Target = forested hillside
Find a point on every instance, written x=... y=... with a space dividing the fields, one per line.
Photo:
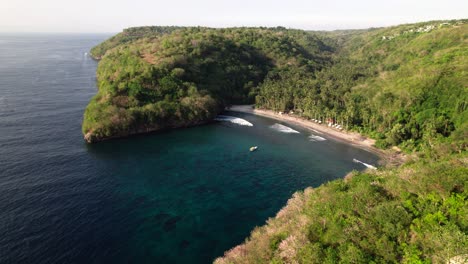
x=154 y=78
x=405 y=86
x=417 y=213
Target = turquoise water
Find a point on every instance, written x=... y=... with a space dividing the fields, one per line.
x=182 y=196
x=195 y=193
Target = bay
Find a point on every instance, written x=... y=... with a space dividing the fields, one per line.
x=181 y=196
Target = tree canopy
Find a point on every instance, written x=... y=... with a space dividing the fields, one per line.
x=153 y=78
x=403 y=85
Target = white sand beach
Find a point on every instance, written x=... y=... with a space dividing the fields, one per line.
x=353 y=138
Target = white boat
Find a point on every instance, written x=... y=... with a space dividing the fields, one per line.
x=254 y=148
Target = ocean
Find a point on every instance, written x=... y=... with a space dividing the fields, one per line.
x=181 y=196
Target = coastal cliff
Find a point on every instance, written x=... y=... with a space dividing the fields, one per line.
x=402 y=86
x=155 y=78
x=417 y=213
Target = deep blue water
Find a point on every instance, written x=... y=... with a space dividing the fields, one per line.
x=183 y=196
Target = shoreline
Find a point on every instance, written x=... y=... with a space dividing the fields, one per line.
x=352 y=138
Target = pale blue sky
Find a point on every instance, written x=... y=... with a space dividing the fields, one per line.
x=114 y=15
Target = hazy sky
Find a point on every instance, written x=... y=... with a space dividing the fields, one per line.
x=114 y=15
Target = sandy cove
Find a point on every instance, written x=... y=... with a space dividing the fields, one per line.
x=353 y=138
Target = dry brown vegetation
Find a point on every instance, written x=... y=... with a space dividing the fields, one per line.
x=408 y=215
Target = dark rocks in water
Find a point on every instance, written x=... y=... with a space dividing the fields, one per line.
x=167 y=221
x=160 y=217
x=264 y=206
x=257 y=183
x=171 y=223
x=184 y=244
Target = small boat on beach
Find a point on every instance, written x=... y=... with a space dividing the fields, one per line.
x=254 y=148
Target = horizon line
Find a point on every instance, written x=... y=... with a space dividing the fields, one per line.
x=236 y=26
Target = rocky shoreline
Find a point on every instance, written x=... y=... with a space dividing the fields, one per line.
x=91 y=138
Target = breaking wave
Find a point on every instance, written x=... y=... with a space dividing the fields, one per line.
x=316 y=138
x=365 y=164
x=233 y=119
x=283 y=129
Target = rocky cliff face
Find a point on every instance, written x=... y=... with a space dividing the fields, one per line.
x=91 y=137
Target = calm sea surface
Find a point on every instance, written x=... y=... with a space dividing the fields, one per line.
x=183 y=196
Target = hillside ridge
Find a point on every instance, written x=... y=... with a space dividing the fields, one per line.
x=405 y=86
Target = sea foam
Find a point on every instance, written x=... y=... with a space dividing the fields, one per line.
x=365 y=164
x=283 y=128
x=316 y=138
x=233 y=119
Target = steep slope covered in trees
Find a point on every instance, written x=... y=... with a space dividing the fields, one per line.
x=157 y=78
x=414 y=214
x=404 y=85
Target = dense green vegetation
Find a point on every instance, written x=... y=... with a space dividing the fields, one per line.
x=129 y=35
x=417 y=213
x=398 y=85
x=404 y=86
x=154 y=78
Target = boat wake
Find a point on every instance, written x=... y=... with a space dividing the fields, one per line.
x=233 y=119
x=316 y=138
x=365 y=164
x=283 y=129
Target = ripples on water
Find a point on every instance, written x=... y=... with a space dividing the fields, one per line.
x=183 y=196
